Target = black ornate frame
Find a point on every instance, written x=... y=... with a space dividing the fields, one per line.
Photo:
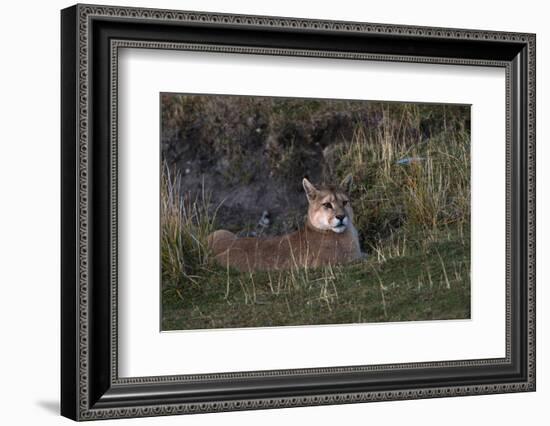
x=91 y=37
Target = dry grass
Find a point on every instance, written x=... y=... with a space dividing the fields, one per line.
x=400 y=184
x=185 y=224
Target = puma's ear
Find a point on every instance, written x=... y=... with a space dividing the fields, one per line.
x=346 y=183
x=311 y=191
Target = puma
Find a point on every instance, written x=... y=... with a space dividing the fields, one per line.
x=327 y=238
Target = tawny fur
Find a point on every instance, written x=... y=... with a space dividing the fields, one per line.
x=324 y=240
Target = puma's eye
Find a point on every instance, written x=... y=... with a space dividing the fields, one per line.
x=344 y=202
x=327 y=205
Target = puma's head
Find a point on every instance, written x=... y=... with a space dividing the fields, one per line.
x=329 y=206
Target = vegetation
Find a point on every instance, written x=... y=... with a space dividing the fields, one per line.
x=411 y=198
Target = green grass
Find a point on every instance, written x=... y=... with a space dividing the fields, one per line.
x=413 y=221
x=425 y=284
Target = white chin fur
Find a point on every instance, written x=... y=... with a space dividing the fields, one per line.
x=338 y=229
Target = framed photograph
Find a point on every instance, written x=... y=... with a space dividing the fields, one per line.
x=263 y=212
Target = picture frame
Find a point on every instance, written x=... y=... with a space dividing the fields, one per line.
x=90 y=384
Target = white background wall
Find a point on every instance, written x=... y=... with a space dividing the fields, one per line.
x=29 y=211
